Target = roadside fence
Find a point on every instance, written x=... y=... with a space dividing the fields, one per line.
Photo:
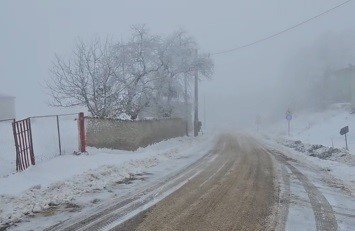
x=39 y=138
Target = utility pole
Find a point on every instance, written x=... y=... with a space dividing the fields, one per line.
x=187 y=114
x=196 y=103
x=204 y=113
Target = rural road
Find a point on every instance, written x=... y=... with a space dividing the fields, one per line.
x=236 y=192
x=236 y=186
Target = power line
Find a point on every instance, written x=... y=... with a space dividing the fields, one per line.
x=283 y=31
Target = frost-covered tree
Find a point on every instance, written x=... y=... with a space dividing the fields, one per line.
x=86 y=79
x=123 y=78
x=179 y=59
x=141 y=61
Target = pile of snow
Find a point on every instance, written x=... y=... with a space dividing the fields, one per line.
x=315 y=140
x=73 y=181
x=318 y=150
x=320 y=127
x=341 y=171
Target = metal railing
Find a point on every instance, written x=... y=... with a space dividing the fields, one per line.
x=50 y=135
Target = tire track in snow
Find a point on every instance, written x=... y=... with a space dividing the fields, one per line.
x=115 y=210
x=323 y=211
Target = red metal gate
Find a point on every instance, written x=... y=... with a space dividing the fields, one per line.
x=23 y=142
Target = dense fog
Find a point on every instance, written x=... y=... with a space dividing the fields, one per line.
x=264 y=79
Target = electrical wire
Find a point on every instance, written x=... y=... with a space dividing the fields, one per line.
x=281 y=32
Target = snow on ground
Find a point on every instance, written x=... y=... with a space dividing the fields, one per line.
x=319 y=127
x=341 y=173
x=318 y=148
x=73 y=181
x=45 y=141
x=319 y=151
x=309 y=129
x=334 y=179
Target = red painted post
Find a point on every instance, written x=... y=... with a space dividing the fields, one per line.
x=82 y=136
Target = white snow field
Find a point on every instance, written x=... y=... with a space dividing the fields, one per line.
x=69 y=182
x=335 y=180
x=320 y=127
x=334 y=176
x=45 y=140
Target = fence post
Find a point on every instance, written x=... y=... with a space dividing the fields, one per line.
x=16 y=146
x=59 y=140
x=81 y=124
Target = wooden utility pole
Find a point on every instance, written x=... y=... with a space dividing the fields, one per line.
x=187 y=114
x=196 y=104
x=204 y=114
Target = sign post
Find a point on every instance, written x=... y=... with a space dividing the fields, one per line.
x=344 y=131
x=288 y=118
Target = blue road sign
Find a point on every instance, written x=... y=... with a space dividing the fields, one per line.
x=289 y=117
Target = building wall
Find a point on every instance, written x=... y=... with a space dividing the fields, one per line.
x=352 y=101
x=7 y=108
x=130 y=135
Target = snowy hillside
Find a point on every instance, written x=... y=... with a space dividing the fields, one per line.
x=320 y=127
x=315 y=140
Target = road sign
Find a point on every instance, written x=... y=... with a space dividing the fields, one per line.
x=289 y=117
x=344 y=130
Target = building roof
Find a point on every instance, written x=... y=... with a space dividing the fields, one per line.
x=3 y=96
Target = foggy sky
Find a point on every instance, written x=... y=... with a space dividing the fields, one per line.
x=245 y=82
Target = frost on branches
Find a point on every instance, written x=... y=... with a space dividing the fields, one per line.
x=119 y=79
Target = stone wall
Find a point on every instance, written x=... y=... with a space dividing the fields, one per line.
x=130 y=135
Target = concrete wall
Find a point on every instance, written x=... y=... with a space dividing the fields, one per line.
x=179 y=111
x=130 y=135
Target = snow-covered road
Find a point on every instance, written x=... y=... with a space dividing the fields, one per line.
x=115 y=190
x=213 y=193
x=313 y=192
x=51 y=191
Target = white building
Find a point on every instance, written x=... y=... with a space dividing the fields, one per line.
x=7 y=107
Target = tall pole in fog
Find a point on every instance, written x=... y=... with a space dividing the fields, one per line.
x=187 y=115
x=196 y=102
x=204 y=112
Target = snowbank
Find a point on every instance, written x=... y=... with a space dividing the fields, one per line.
x=320 y=127
x=315 y=140
x=342 y=172
x=69 y=179
x=318 y=150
